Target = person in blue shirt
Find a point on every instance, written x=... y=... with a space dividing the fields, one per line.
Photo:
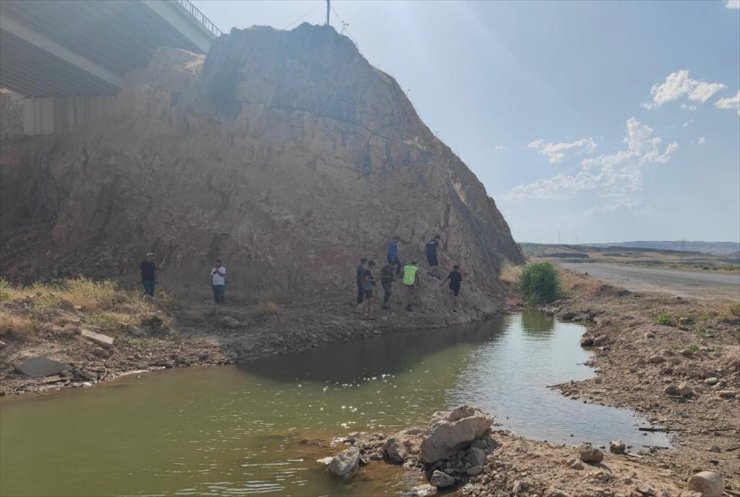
x=393 y=254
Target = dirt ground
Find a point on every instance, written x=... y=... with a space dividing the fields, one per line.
x=698 y=284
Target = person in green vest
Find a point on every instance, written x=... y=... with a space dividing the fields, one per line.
x=409 y=282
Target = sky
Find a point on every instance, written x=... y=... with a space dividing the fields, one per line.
x=587 y=121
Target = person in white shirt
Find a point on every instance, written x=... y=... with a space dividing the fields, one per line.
x=218 y=281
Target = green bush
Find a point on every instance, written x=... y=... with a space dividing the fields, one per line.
x=538 y=283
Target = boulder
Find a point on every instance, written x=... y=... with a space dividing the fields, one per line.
x=395 y=450
x=707 y=483
x=670 y=390
x=684 y=390
x=440 y=479
x=727 y=394
x=617 y=447
x=346 y=463
x=36 y=367
x=98 y=338
x=589 y=454
x=452 y=432
x=476 y=456
x=229 y=322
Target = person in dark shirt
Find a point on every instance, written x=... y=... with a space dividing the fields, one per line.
x=360 y=276
x=386 y=280
x=455 y=279
x=431 y=252
x=368 y=284
x=148 y=269
x=393 y=254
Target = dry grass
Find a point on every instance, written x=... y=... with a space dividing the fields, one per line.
x=510 y=273
x=267 y=308
x=98 y=303
x=15 y=326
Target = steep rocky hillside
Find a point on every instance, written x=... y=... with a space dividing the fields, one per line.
x=284 y=152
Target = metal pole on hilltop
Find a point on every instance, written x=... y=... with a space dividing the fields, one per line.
x=328 y=7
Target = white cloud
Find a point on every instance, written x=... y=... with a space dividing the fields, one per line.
x=678 y=85
x=618 y=174
x=500 y=147
x=556 y=152
x=702 y=140
x=732 y=4
x=729 y=103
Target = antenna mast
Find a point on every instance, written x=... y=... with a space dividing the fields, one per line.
x=327 y=11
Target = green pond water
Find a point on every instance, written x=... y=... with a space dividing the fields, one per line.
x=241 y=430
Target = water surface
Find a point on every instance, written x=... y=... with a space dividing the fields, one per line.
x=238 y=430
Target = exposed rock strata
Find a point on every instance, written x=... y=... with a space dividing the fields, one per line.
x=285 y=153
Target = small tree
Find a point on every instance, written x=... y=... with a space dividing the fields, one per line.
x=539 y=283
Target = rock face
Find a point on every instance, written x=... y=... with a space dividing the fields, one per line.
x=285 y=153
x=451 y=432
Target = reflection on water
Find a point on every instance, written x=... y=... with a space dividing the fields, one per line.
x=537 y=324
x=237 y=431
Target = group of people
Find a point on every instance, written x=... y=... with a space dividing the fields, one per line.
x=218 y=278
x=366 y=281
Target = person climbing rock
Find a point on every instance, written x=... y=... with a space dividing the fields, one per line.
x=386 y=281
x=218 y=282
x=431 y=252
x=393 y=254
x=455 y=279
x=368 y=284
x=409 y=282
x=148 y=268
x=360 y=275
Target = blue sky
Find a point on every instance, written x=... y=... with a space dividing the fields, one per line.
x=591 y=121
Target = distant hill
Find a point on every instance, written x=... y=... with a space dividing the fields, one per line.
x=714 y=248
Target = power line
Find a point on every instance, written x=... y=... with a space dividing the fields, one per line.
x=291 y=24
x=344 y=26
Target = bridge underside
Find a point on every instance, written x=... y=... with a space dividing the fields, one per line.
x=83 y=48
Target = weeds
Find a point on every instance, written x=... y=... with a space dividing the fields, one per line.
x=664 y=319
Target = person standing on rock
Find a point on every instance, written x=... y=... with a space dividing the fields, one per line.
x=360 y=276
x=393 y=254
x=409 y=282
x=218 y=282
x=431 y=252
x=368 y=284
x=455 y=279
x=386 y=281
x=148 y=269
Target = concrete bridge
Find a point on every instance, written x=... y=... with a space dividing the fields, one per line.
x=82 y=48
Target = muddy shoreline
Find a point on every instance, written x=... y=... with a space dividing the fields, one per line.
x=235 y=334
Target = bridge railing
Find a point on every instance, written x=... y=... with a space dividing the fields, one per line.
x=195 y=12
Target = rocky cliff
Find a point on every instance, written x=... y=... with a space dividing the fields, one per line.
x=284 y=152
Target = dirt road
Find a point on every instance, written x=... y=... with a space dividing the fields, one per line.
x=696 y=284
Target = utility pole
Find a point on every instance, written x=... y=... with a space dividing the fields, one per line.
x=328 y=6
